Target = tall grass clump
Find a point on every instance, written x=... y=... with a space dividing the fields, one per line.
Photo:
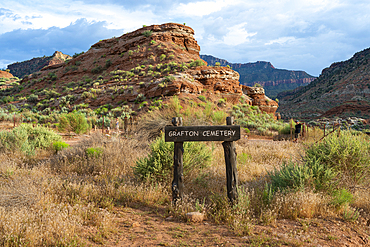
x=75 y=122
x=27 y=139
x=158 y=164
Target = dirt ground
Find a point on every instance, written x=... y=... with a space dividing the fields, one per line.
x=139 y=225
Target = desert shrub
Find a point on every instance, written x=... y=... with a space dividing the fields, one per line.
x=77 y=54
x=108 y=63
x=345 y=153
x=87 y=95
x=313 y=175
x=73 y=121
x=202 y=98
x=97 y=70
x=147 y=33
x=94 y=152
x=59 y=145
x=7 y=99
x=27 y=139
x=107 y=122
x=342 y=197
x=158 y=164
x=162 y=57
x=219 y=117
x=196 y=63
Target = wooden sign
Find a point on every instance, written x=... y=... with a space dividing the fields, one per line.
x=226 y=133
x=202 y=133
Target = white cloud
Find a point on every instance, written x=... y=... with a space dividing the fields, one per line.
x=61 y=14
x=238 y=35
x=203 y=8
x=281 y=40
x=289 y=33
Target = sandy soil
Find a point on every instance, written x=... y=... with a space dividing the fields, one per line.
x=139 y=225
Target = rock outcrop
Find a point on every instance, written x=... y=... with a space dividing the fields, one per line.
x=258 y=98
x=154 y=61
x=30 y=66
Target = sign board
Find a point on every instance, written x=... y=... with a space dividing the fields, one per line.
x=202 y=133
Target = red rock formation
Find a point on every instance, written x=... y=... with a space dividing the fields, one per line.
x=260 y=99
x=158 y=60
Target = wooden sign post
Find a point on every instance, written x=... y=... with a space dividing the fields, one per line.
x=178 y=176
x=230 y=161
x=226 y=133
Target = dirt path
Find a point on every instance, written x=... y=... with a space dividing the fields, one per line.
x=146 y=226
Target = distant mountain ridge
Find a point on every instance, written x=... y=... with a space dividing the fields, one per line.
x=273 y=80
x=342 y=90
x=20 y=69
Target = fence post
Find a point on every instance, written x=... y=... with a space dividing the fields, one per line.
x=178 y=177
x=231 y=171
x=102 y=130
x=291 y=129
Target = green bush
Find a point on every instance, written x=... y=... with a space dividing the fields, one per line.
x=202 y=98
x=158 y=164
x=73 y=121
x=344 y=152
x=147 y=33
x=94 y=152
x=290 y=176
x=27 y=139
x=60 y=145
x=342 y=198
x=219 y=117
x=313 y=175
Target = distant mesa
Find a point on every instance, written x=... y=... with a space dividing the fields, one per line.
x=342 y=90
x=271 y=79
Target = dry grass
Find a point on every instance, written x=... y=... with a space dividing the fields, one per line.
x=54 y=201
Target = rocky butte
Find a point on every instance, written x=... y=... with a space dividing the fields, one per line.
x=153 y=61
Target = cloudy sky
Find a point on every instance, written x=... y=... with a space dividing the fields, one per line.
x=304 y=35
